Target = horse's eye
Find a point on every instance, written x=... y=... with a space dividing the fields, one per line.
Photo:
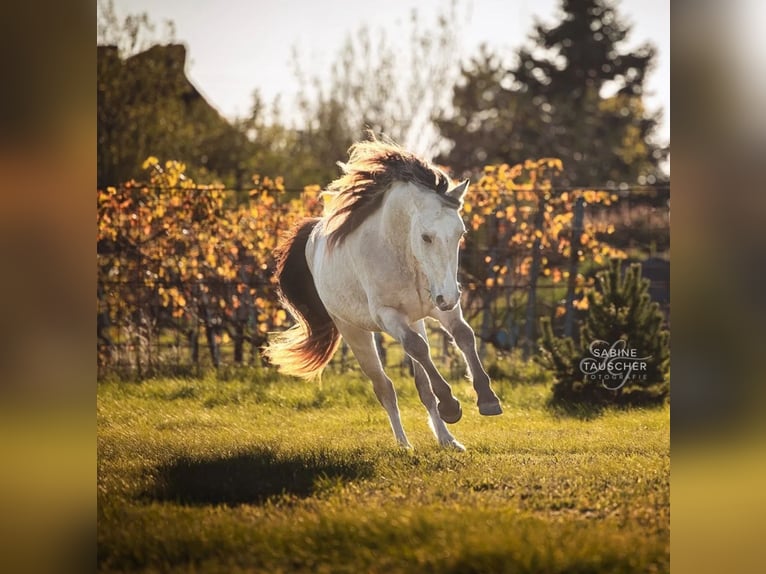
x=426 y=238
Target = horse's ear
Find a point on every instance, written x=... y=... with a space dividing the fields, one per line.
x=458 y=191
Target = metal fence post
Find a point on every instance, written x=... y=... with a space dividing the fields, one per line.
x=534 y=271
x=574 y=259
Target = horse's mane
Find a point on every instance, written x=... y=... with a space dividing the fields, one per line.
x=373 y=166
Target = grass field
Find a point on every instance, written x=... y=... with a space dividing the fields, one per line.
x=277 y=475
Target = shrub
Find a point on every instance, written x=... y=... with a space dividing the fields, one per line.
x=623 y=356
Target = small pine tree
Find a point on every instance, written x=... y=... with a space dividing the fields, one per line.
x=622 y=329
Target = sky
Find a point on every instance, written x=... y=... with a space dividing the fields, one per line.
x=238 y=46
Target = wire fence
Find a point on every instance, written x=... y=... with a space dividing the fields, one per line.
x=153 y=319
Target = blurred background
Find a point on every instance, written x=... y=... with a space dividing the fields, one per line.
x=558 y=114
x=283 y=89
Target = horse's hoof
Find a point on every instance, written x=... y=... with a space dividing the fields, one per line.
x=490 y=409
x=454 y=445
x=450 y=416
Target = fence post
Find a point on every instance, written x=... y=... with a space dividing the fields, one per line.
x=139 y=317
x=486 y=301
x=534 y=271
x=574 y=258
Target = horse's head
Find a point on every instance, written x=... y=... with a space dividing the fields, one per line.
x=435 y=232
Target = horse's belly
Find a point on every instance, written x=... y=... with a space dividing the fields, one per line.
x=339 y=287
x=350 y=307
x=354 y=306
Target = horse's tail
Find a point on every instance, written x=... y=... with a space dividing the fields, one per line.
x=305 y=348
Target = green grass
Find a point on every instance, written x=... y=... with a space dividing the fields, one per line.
x=276 y=475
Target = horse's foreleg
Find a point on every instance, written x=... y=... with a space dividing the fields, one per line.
x=416 y=346
x=428 y=399
x=363 y=346
x=465 y=340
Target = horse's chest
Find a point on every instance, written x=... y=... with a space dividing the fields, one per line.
x=353 y=288
x=402 y=290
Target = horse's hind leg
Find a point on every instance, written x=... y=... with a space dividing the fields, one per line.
x=363 y=346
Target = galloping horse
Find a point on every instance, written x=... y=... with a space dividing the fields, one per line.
x=383 y=257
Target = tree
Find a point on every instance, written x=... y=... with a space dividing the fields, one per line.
x=147 y=105
x=375 y=84
x=623 y=329
x=573 y=93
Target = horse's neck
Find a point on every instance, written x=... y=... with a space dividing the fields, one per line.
x=395 y=217
x=393 y=227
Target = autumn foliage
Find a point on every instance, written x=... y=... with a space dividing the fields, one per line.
x=522 y=232
x=516 y=208
x=177 y=258
x=180 y=264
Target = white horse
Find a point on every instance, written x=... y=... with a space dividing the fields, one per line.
x=383 y=257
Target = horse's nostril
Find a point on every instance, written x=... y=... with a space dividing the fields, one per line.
x=439 y=299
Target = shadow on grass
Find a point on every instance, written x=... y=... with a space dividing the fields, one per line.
x=595 y=407
x=254 y=477
x=581 y=411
